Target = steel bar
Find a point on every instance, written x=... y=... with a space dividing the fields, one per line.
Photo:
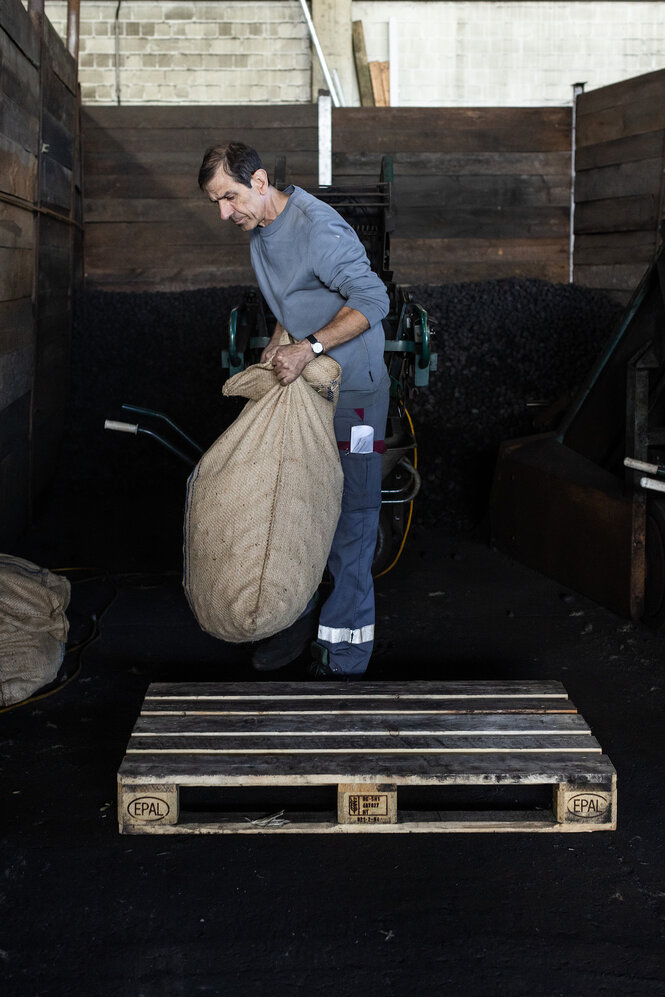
x=319 y=51
x=20 y=202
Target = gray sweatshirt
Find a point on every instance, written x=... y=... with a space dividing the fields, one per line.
x=309 y=263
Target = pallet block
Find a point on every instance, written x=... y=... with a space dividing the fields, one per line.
x=369 y=740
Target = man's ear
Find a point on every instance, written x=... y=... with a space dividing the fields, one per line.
x=260 y=181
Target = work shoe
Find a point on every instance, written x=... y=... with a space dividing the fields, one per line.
x=287 y=645
x=319 y=666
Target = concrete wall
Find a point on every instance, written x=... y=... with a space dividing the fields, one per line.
x=194 y=53
x=450 y=54
x=512 y=54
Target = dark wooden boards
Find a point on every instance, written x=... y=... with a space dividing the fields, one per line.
x=370 y=740
x=148 y=226
x=498 y=174
x=451 y=129
x=39 y=195
x=620 y=148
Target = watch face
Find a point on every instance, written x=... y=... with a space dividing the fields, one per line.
x=317 y=347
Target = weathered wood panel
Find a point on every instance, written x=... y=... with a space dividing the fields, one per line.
x=16 y=324
x=619 y=182
x=19 y=77
x=14 y=469
x=501 y=174
x=640 y=178
x=59 y=59
x=176 y=277
x=446 y=261
x=632 y=149
x=649 y=86
x=451 y=130
x=604 y=248
x=18 y=169
x=15 y=22
x=38 y=93
x=16 y=273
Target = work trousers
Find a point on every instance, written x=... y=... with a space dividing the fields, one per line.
x=346 y=621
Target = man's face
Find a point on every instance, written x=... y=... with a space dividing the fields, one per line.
x=244 y=206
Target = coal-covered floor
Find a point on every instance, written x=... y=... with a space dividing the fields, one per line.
x=88 y=911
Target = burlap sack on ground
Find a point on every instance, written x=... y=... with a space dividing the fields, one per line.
x=33 y=627
x=263 y=504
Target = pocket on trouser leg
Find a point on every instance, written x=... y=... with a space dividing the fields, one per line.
x=362 y=481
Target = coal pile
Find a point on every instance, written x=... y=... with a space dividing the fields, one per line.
x=508 y=350
x=119 y=499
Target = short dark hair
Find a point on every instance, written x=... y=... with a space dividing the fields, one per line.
x=240 y=161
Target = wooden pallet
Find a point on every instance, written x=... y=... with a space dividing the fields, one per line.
x=371 y=741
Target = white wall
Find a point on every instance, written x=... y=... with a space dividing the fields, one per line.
x=466 y=53
x=512 y=54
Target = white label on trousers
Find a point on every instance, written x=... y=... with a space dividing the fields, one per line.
x=362 y=439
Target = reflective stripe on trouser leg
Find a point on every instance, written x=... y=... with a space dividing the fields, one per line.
x=346 y=622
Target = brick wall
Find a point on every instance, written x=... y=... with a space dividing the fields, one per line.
x=455 y=53
x=193 y=53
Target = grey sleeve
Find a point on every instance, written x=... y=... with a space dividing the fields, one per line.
x=339 y=260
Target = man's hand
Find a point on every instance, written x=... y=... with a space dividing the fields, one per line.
x=290 y=361
x=269 y=352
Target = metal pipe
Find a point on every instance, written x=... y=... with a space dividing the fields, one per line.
x=116 y=32
x=20 y=202
x=406 y=493
x=338 y=87
x=319 y=51
x=73 y=21
x=139 y=410
x=578 y=88
x=135 y=430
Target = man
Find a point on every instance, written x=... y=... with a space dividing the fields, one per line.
x=315 y=276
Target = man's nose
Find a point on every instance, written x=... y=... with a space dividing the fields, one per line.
x=225 y=210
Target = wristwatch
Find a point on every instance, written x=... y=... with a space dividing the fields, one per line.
x=317 y=347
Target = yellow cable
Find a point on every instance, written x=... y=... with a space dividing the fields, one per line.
x=408 y=522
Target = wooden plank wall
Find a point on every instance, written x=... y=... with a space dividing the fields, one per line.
x=619 y=185
x=148 y=227
x=38 y=194
x=479 y=193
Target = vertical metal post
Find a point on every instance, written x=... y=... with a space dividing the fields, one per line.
x=393 y=61
x=578 y=88
x=325 y=139
x=73 y=20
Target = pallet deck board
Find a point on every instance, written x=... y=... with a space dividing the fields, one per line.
x=368 y=739
x=356 y=691
x=391 y=743
x=368 y=766
x=359 y=722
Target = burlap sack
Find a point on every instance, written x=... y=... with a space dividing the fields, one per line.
x=263 y=504
x=33 y=627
